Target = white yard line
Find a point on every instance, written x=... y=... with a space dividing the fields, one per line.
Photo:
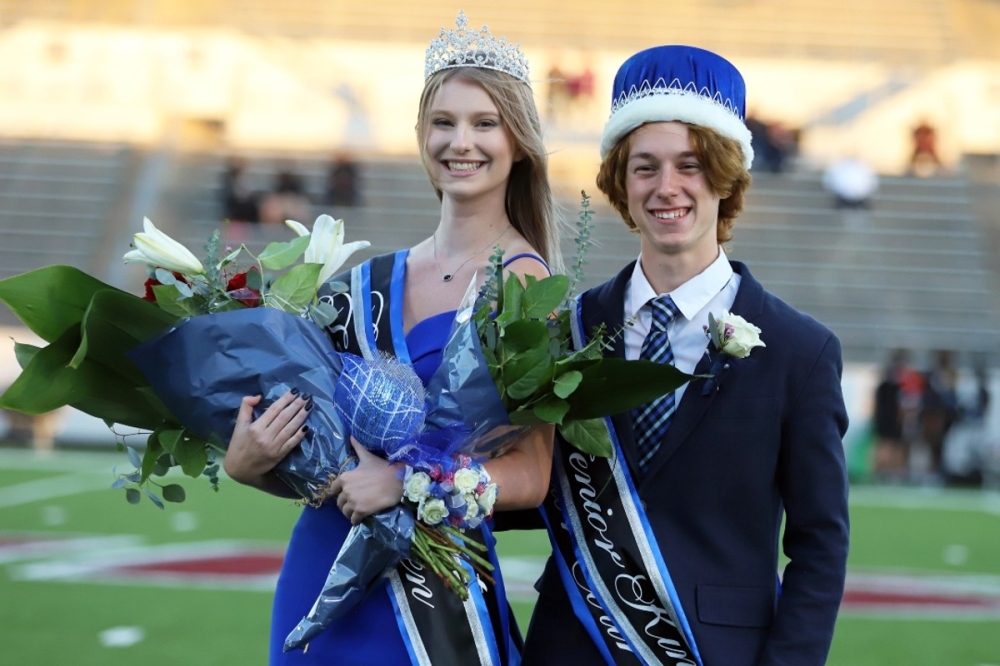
x=927 y=499
x=58 y=486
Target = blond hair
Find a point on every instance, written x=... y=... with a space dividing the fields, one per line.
x=529 y=203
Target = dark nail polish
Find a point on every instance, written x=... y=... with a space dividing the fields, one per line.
x=309 y=405
x=305 y=430
x=306 y=396
x=294 y=391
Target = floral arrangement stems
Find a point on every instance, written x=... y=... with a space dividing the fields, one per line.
x=434 y=547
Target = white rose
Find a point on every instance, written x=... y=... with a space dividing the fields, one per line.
x=416 y=487
x=466 y=480
x=733 y=335
x=432 y=511
x=471 y=507
x=488 y=498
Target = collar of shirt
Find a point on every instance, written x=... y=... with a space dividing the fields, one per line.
x=712 y=290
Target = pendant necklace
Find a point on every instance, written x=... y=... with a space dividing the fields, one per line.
x=448 y=276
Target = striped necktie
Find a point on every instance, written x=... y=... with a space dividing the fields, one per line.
x=651 y=421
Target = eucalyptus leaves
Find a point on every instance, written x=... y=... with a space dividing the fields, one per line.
x=525 y=331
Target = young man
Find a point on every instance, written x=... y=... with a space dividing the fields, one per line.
x=669 y=552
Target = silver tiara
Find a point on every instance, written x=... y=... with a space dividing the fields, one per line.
x=463 y=48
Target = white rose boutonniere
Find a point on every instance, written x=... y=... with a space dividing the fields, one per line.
x=733 y=335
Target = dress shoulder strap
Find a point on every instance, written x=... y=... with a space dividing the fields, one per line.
x=507 y=262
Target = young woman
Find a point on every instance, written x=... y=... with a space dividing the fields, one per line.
x=480 y=142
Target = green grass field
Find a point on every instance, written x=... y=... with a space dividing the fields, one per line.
x=55 y=610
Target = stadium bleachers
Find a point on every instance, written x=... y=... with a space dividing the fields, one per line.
x=915 y=272
x=57 y=202
x=904 y=31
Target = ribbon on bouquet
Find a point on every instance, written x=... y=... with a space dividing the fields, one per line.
x=609 y=561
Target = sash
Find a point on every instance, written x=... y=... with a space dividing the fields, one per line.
x=436 y=626
x=608 y=558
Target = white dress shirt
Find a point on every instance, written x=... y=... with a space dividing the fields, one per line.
x=713 y=290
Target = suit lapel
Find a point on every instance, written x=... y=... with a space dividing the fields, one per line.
x=606 y=304
x=694 y=405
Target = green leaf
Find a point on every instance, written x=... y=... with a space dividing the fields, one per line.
x=613 y=385
x=255 y=280
x=192 y=455
x=551 y=410
x=512 y=292
x=173 y=493
x=24 y=352
x=277 y=256
x=526 y=335
x=47 y=383
x=132 y=496
x=133 y=457
x=154 y=499
x=150 y=456
x=170 y=299
x=51 y=299
x=168 y=440
x=115 y=322
x=323 y=314
x=296 y=288
x=544 y=296
x=566 y=383
x=590 y=436
x=527 y=373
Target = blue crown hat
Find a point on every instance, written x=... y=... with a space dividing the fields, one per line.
x=681 y=83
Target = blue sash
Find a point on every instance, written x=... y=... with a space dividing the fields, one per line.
x=608 y=558
x=436 y=626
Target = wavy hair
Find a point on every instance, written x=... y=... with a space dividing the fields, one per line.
x=721 y=159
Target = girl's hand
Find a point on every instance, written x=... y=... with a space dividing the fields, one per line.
x=257 y=446
x=371 y=487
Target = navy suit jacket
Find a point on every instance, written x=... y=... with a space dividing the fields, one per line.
x=764 y=443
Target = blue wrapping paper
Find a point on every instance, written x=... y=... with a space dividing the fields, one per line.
x=202 y=367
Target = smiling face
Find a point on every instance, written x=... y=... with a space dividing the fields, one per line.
x=669 y=196
x=467 y=150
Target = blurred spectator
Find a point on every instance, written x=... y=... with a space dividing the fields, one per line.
x=772 y=144
x=288 y=201
x=342 y=182
x=939 y=407
x=852 y=182
x=239 y=203
x=924 y=161
x=890 y=449
x=568 y=91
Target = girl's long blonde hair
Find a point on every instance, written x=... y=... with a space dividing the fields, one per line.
x=529 y=203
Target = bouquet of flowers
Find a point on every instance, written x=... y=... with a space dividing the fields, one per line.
x=158 y=364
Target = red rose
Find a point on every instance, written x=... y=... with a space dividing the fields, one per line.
x=150 y=296
x=238 y=290
x=153 y=282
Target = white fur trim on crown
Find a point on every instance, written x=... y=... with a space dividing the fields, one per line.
x=681 y=105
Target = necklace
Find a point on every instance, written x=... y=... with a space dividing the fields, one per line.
x=448 y=276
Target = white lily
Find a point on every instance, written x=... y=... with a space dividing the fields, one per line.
x=326 y=245
x=155 y=248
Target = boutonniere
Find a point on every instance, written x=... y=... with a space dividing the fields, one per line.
x=732 y=337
